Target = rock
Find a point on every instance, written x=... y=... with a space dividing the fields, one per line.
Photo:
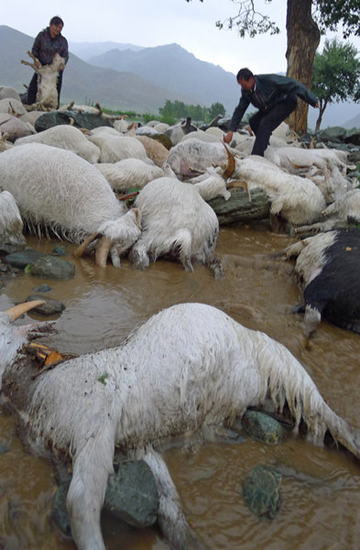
x=263 y=427
x=354 y=157
x=58 y=251
x=4 y=446
x=238 y=209
x=7 y=272
x=334 y=133
x=59 y=514
x=51 y=267
x=131 y=495
x=51 y=306
x=353 y=136
x=261 y=491
x=8 y=248
x=42 y=288
x=22 y=259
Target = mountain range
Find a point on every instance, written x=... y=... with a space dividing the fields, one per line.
x=127 y=77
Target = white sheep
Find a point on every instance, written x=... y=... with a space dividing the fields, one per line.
x=129 y=173
x=177 y=132
x=114 y=146
x=14 y=127
x=295 y=199
x=11 y=224
x=295 y=158
x=121 y=125
x=345 y=210
x=4 y=143
x=9 y=92
x=47 y=94
x=58 y=192
x=211 y=184
x=65 y=137
x=203 y=135
x=176 y=222
x=325 y=167
x=193 y=155
x=12 y=106
x=190 y=368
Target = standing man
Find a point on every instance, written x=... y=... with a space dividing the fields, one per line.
x=47 y=43
x=275 y=96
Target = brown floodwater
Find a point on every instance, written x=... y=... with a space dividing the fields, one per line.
x=320 y=486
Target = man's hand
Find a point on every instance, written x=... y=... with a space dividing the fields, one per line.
x=228 y=137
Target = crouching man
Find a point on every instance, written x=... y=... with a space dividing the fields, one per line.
x=274 y=96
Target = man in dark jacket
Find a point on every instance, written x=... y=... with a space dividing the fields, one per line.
x=275 y=96
x=47 y=43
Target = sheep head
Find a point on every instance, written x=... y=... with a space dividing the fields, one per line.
x=114 y=237
x=12 y=338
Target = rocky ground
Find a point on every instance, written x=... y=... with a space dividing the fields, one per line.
x=7 y=272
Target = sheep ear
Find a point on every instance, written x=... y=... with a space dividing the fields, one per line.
x=20 y=309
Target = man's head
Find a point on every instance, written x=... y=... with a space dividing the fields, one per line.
x=56 y=25
x=246 y=79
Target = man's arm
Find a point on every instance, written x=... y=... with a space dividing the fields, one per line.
x=236 y=118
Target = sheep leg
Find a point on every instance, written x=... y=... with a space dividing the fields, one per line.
x=91 y=469
x=172 y=520
x=32 y=65
x=182 y=248
x=138 y=256
x=215 y=265
x=115 y=256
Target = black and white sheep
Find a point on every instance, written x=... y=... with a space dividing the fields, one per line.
x=327 y=270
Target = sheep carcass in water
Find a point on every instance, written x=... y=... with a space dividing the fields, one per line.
x=58 y=192
x=47 y=95
x=190 y=368
x=176 y=222
x=327 y=270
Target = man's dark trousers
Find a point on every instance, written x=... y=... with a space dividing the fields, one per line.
x=264 y=123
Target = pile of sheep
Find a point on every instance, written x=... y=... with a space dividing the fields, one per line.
x=70 y=183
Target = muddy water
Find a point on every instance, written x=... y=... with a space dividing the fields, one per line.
x=321 y=486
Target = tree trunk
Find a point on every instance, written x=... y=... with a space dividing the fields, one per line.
x=322 y=106
x=238 y=210
x=303 y=38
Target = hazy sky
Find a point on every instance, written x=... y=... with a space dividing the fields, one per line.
x=151 y=23
x=157 y=22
